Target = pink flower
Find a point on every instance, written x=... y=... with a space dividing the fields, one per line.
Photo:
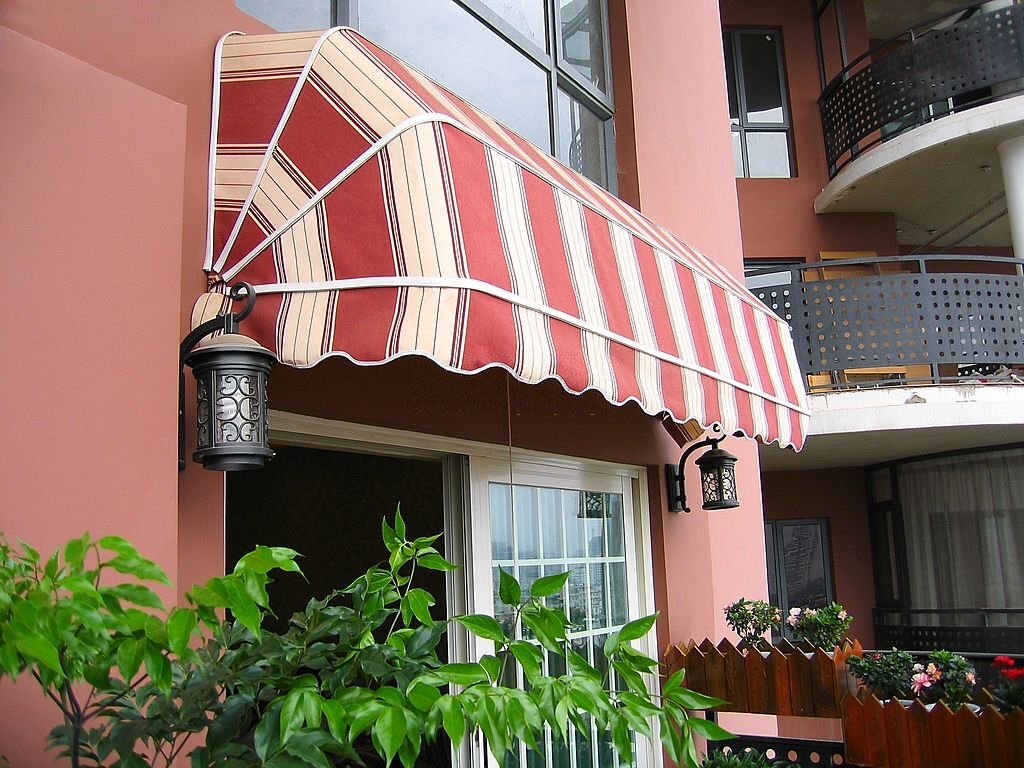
x=842 y=615
x=920 y=681
x=791 y=621
x=934 y=672
x=970 y=678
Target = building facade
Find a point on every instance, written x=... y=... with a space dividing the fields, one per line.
x=123 y=217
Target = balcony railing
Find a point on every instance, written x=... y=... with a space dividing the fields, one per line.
x=899 y=320
x=949 y=63
x=965 y=630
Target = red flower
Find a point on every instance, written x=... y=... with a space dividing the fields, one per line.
x=1002 y=661
x=1013 y=674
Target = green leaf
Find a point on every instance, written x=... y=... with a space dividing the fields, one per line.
x=419 y=601
x=452 y=718
x=243 y=607
x=267 y=736
x=483 y=626
x=292 y=715
x=435 y=562
x=509 y=591
x=422 y=696
x=74 y=550
x=708 y=729
x=158 y=667
x=265 y=559
x=634 y=630
x=336 y=716
x=462 y=674
x=399 y=523
x=688 y=699
x=546 y=586
x=389 y=730
x=180 y=624
x=674 y=681
x=623 y=741
x=492 y=665
x=40 y=649
x=307 y=751
x=390 y=538
x=129 y=657
x=529 y=657
x=135 y=594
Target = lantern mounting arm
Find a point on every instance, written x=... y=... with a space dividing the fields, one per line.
x=674 y=472
x=226 y=323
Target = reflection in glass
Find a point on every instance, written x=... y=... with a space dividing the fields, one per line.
x=501 y=522
x=730 y=79
x=768 y=154
x=575 y=529
x=581 y=139
x=551 y=522
x=527 y=528
x=452 y=47
x=527 y=16
x=290 y=17
x=598 y=597
x=618 y=597
x=616 y=536
x=803 y=565
x=762 y=85
x=577 y=589
x=583 y=43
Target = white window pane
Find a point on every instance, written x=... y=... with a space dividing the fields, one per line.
x=290 y=17
x=583 y=41
x=737 y=155
x=527 y=16
x=768 y=154
x=501 y=522
x=581 y=139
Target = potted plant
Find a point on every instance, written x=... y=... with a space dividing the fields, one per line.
x=355 y=679
x=751 y=619
x=946 y=676
x=1008 y=691
x=824 y=627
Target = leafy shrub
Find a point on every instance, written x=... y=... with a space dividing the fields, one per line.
x=750 y=619
x=749 y=758
x=821 y=627
x=946 y=677
x=886 y=673
x=355 y=679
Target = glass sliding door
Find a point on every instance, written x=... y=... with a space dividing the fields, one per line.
x=546 y=523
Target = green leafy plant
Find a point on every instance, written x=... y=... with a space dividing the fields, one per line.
x=1008 y=691
x=355 y=679
x=91 y=645
x=824 y=627
x=886 y=673
x=947 y=677
x=750 y=619
x=748 y=758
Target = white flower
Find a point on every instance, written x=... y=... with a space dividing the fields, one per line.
x=794 y=611
x=842 y=615
x=791 y=621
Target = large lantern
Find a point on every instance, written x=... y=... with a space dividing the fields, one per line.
x=717 y=478
x=231 y=391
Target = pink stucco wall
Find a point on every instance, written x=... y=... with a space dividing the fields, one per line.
x=684 y=169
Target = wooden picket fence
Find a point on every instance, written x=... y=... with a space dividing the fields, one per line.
x=787 y=681
x=782 y=681
x=894 y=735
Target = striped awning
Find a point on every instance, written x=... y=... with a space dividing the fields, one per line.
x=378 y=215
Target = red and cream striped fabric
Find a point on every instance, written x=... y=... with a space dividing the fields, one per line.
x=379 y=215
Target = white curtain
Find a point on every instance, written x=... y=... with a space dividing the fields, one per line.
x=964 y=523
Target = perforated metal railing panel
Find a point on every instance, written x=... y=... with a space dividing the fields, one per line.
x=903 y=319
x=893 y=91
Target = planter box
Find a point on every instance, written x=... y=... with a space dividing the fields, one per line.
x=782 y=681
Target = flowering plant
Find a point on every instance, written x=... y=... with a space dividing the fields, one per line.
x=821 y=627
x=1009 y=691
x=750 y=619
x=946 y=677
x=886 y=673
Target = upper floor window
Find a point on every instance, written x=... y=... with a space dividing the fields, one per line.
x=758 y=107
x=541 y=68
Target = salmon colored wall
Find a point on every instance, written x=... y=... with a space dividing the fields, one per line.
x=684 y=168
x=777 y=215
x=165 y=47
x=107 y=107
x=840 y=496
x=88 y=306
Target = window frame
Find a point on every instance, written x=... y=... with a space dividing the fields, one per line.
x=737 y=89
x=774 y=556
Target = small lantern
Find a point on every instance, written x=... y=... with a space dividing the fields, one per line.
x=718 y=479
x=231 y=413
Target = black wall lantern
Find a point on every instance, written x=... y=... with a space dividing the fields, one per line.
x=717 y=478
x=231 y=391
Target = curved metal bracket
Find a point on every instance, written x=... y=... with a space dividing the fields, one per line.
x=227 y=323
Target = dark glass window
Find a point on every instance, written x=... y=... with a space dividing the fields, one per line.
x=541 y=68
x=758 y=109
x=799 y=563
